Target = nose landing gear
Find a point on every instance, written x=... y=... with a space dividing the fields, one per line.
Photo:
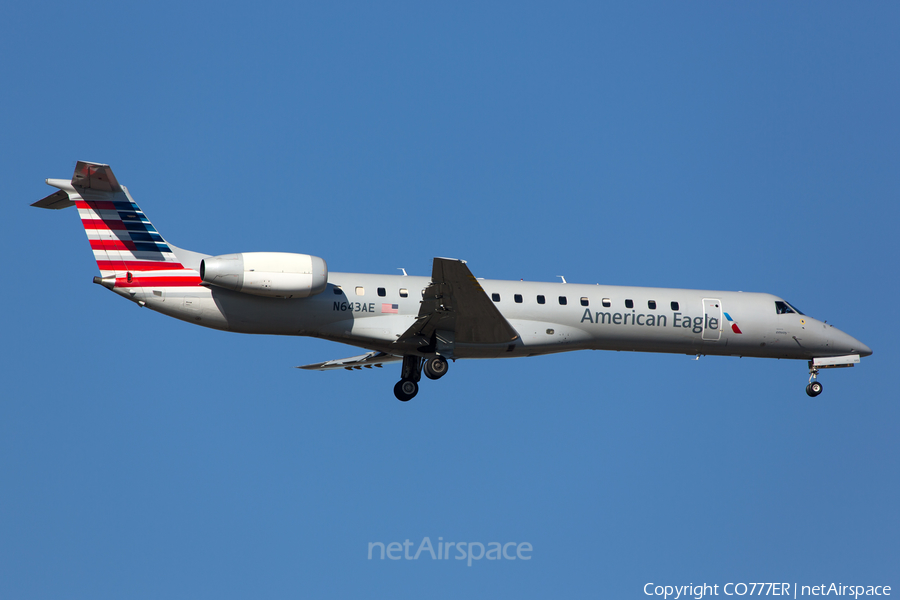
x=827 y=362
x=814 y=388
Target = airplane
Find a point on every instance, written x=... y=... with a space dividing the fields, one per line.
x=425 y=322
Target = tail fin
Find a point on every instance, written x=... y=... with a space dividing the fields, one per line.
x=128 y=249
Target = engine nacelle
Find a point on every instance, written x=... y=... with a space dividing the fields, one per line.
x=272 y=274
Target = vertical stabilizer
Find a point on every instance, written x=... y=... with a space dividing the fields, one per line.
x=126 y=245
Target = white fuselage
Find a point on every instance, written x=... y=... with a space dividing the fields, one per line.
x=424 y=322
x=356 y=309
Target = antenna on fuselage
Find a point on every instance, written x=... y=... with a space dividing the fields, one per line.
x=404 y=271
x=563 y=278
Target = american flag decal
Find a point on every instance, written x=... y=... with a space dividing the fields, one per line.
x=390 y=308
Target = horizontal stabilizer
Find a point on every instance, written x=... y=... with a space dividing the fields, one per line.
x=55 y=201
x=129 y=251
x=87 y=176
x=368 y=360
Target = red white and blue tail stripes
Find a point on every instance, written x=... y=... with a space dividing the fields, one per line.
x=125 y=243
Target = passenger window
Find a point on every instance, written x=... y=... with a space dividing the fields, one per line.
x=584 y=302
x=382 y=292
x=360 y=290
x=629 y=304
x=337 y=290
x=495 y=297
x=606 y=303
x=518 y=298
x=563 y=301
x=651 y=304
x=540 y=300
x=404 y=292
x=674 y=305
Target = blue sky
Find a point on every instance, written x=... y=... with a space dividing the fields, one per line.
x=691 y=145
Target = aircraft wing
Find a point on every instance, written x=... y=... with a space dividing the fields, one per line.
x=455 y=302
x=367 y=360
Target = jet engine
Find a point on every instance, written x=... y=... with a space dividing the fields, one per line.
x=272 y=274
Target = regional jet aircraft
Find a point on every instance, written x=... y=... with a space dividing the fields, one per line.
x=424 y=322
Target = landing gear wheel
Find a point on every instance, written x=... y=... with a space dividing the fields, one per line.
x=406 y=390
x=814 y=389
x=436 y=367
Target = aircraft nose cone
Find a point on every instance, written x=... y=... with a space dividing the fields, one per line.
x=850 y=345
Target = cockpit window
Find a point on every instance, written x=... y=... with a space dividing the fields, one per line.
x=783 y=308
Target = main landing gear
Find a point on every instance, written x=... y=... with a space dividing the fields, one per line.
x=814 y=388
x=406 y=390
x=436 y=367
x=411 y=372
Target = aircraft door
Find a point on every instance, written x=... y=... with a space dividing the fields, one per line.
x=712 y=319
